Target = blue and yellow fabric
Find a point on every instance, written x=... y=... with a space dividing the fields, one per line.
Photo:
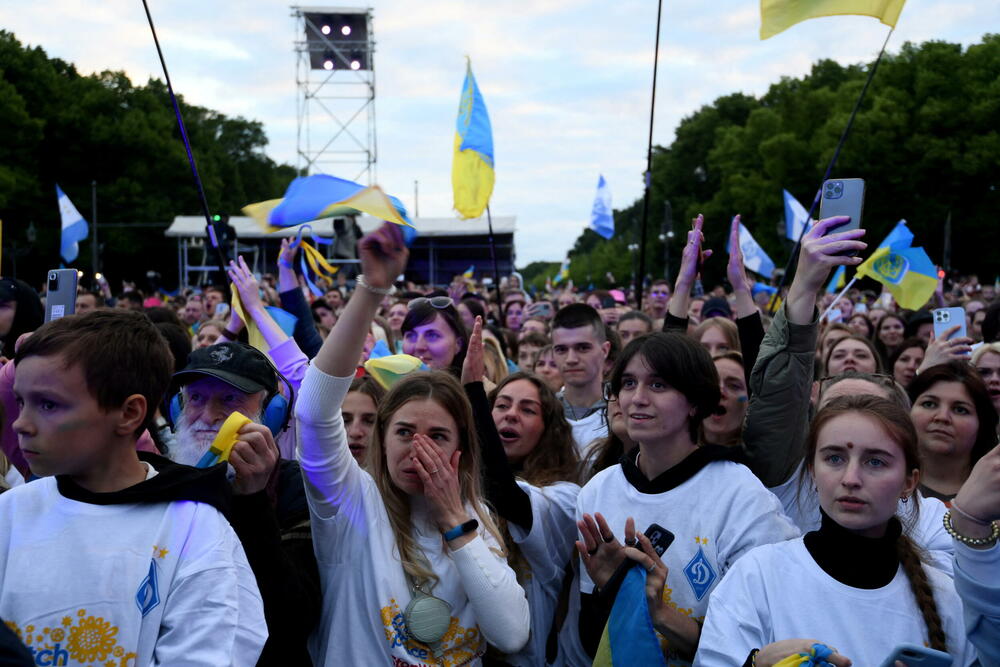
x=629 y=638
x=779 y=15
x=907 y=272
x=227 y=436
x=472 y=174
x=309 y=198
x=816 y=657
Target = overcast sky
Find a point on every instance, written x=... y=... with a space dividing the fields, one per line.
x=566 y=82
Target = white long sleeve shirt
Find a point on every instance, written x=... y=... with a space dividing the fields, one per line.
x=365 y=590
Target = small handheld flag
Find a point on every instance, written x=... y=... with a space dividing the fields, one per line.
x=74 y=227
x=389 y=370
x=816 y=656
x=907 y=272
x=629 y=637
x=227 y=436
x=779 y=15
x=469 y=272
x=601 y=220
x=838 y=280
x=754 y=257
x=472 y=174
x=796 y=217
x=563 y=272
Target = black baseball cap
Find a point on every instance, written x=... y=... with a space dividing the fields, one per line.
x=716 y=307
x=241 y=366
x=8 y=290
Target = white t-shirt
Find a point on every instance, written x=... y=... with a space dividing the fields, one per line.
x=547 y=548
x=925 y=526
x=136 y=584
x=779 y=592
x=716 y=516
x=588 y=429
x=365 y=590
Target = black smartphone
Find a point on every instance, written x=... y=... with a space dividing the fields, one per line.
x=843 y=196
x=659 y=537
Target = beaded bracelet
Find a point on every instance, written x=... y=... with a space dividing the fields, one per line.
x=381 y=291
x=971 y=541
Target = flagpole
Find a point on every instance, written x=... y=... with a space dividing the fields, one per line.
x=649 y=168
x=493 y=256
x=838 y=297
x=829 y=169
x=209 y=228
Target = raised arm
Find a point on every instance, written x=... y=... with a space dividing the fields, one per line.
x=502 y=491
x=293 y=301
x=748 y=323
x=691 y=259
x=780 y=384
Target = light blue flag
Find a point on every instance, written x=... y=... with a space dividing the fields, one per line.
x=795 y=217
x=754 y=257
x=601 y=220
x=74 y=227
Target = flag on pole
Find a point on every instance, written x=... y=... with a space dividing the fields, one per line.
x=563 y=272
x=754 y=257
x=469 y=272
x=779 y=15
x=838 y=280
x=309 y=198
x=472 y=173
x=74 y=227
x=907 y=272
x=601 y=220
x=795 y=217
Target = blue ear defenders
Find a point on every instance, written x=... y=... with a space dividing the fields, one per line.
x=276 y=414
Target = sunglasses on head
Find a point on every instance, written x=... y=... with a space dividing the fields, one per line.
x=439 y=302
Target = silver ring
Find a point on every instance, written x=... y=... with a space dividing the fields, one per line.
x=652 y=566
x=632 y=541
x=434 y=472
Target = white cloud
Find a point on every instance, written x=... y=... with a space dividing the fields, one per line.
x=567 y=82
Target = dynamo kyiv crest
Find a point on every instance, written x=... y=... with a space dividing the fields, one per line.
x=148 y=595
x=700 y=574
x=892 y=267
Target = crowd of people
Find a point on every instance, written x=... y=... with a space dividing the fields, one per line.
x=422 y=476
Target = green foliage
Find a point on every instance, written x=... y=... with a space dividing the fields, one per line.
x=61 y=127
x=926 y=140
x=536 y=273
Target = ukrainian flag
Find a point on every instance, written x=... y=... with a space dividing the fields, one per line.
x=563 y=272
x=472 y=166
x=309 y=198
x=779 y=15
x=838 y=280
x=629 y=637
x=469 y=272
x=908 y=273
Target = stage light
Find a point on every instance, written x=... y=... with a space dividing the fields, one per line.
x=345 y=31
x=326 y=30
x=328 y=60
x=355 y=64
x=328 y=65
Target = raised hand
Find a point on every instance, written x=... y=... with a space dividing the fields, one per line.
x=979 y=497
x=818 y=254
x=945 y=349
x=474 y=366
x=383 y=255
x=691 y=260
x=600 y=550
x=246 y=284
x=254 y=457
x=735 y=270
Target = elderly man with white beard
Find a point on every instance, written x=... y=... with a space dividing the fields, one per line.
x=269 y=511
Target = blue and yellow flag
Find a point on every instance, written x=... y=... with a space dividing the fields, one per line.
x=908 y=273
x=838 y=280
x=779 y=15
x=563 y=272
x=472 y=167
x=469 y=272
x=309 y=198
x=629 y=638
x=816 y=657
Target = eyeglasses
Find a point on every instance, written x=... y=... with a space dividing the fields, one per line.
x=607 y=394
x=439 y=302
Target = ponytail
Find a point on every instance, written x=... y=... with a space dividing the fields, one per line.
x=909 y=558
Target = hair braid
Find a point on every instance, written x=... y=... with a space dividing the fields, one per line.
x=909 y=558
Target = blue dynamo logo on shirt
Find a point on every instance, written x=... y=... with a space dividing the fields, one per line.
x=700 y=574
x=148 y=595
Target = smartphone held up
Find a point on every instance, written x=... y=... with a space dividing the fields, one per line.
x=843 y=196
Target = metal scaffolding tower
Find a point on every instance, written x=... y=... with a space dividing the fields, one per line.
x=335 y=76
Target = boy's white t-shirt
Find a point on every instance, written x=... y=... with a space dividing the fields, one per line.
x=548 y=548
x=779 y=592
x=588 y=429
x=716 y=516
x=128 y=584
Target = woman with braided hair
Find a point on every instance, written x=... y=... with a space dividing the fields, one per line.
x=859 y=571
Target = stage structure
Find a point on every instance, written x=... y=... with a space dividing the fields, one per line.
x=442 y=250
x=335 y=77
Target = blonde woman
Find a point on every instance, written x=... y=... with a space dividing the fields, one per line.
x=411 y=562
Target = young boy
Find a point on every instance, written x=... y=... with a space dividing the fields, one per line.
x=115 y=557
